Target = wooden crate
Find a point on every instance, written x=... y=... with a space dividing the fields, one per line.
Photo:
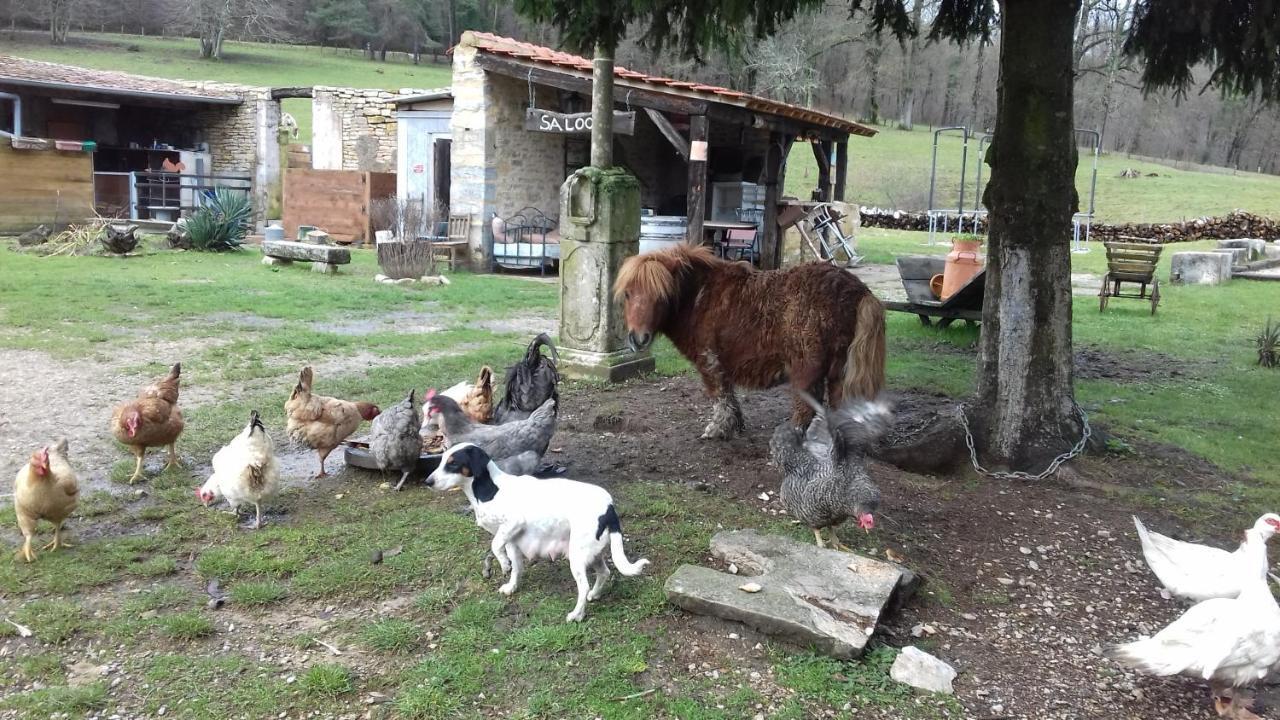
x=43 y=186
x=336 y=201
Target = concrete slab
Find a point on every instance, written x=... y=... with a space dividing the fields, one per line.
x=807 y=595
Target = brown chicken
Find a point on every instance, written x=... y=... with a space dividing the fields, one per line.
x=153 y=419
x=45 y=489
x=322 y=423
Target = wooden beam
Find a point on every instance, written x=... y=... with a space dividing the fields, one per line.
x=669 y=132
x=771 y=238
x=842 y=167
x=822 y=155
x=581 y=83
x=697 y=195
x=281 y=93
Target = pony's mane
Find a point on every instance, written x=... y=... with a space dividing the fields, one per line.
x=654 y=273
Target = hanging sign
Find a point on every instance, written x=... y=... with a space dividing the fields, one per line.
x=539 y=120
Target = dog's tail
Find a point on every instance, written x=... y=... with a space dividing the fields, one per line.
x=609 y=522
x=864 y=364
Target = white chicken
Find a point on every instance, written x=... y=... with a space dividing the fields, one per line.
x=1199 y=572
x=1231 y=642
x=245 y=471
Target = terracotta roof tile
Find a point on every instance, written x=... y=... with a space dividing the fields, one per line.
x=24 y=71
x=498 y=45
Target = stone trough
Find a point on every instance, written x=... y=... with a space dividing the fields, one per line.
x=795 y=591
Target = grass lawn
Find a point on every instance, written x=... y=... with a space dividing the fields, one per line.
x=888 y=170
x=422 y=631
x=891 y=170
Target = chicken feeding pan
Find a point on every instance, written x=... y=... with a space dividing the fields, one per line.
x=356 y=454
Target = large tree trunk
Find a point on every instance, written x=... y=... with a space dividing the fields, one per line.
x=602 y=108
x=977 y=118
x=949 y=113
x=906 y=113
x=1025 y=414
x=875 y=49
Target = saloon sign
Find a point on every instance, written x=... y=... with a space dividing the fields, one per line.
x=537 y=120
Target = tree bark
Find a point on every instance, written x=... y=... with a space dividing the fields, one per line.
x=875 y=49
x=1025 y=414
x=977 y=118
x=602 y=107
x=906 y=114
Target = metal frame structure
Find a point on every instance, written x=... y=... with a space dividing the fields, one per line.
x=945 y=216
x=940 y=219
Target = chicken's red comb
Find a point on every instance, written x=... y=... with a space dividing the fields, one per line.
x=431 y=392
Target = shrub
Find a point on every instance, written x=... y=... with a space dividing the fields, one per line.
x=222 y=223
x=1269 y=345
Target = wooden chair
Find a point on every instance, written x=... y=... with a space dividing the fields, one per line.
x=741 y=243
x=457 y=237
x=1131 y=262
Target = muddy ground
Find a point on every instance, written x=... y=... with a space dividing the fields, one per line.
x=1025 y=582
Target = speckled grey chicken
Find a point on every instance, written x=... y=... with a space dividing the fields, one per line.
x=530 y=383
x=824 y=472
x=394 y=441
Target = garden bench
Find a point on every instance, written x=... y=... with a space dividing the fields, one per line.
x=323 y=258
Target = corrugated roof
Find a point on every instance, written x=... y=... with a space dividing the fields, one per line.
x=437 y=94
x=495 y=44
x=34 y=73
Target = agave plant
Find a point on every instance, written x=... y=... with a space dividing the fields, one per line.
x=1269 y=345
x=222 y=223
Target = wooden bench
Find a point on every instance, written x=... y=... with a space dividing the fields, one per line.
x=323 y=258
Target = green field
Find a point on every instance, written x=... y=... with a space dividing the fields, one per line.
x=888 y=170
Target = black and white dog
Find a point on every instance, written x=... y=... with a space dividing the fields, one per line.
x=533 y=518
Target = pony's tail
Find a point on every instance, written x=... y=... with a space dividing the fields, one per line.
x=864 y=366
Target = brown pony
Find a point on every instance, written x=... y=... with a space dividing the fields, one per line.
x=815 y=325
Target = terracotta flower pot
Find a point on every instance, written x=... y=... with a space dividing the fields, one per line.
x=963 y=262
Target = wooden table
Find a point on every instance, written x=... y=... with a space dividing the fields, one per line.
x=714 y=231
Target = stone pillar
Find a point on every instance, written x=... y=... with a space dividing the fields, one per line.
x=599 y=228
x=267 y=187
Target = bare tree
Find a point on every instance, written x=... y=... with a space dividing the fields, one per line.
x=60 y=12
x=213 y=20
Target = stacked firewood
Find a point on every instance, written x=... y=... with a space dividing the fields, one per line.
x=1237 y=224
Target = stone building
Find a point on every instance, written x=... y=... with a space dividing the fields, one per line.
x=92 y=140
x=707 y=158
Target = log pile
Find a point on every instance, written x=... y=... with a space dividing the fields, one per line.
x=1237 y=224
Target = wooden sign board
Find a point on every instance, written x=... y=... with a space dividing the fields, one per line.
x=538 y=120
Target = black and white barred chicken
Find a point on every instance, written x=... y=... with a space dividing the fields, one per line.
x=824 y=470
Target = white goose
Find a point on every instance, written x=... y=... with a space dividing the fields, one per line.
x=1200 y=572
x=1231 y=642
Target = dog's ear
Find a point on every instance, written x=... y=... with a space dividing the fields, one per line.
x=477 y=467
x=476 y=461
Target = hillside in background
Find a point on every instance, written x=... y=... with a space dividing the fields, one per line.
x=889 y=170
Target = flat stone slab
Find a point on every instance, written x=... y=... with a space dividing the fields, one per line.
x=307 y=252
x=807 y=595
x=1200 y=268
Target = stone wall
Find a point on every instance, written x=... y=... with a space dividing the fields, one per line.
x=490 y=142
x=354 y=128
x=663 y=174
x=244 y=139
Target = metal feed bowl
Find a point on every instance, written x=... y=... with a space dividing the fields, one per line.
x=356 y=454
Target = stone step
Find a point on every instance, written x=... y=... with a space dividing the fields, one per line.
x=807 y=595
